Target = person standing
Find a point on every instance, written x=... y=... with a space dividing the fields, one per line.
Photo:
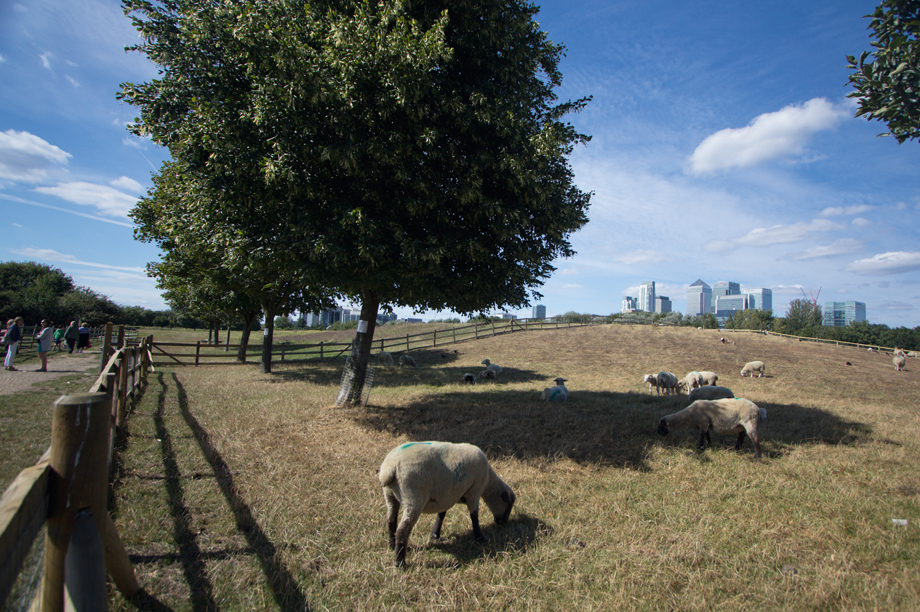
x=83 y=338
x=58 y=339
x=12 y=338
x=71 y=335
x=45 y=339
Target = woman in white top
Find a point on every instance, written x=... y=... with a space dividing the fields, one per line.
x=45 y=339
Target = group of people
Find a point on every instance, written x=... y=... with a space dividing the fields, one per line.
x=49 y=339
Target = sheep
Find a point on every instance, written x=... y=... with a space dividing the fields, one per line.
x=726 y=416
x=710 y=392
x=487 y=375
x=751 y=367
x=652 y=381
x=406 y=360
x=668 y=382
x=913 y=354
x=491 y=366
x=430 y=478
x=469 y=379
x=698 y=379
x=556 y=394
x=384 y=358
x=899 y=360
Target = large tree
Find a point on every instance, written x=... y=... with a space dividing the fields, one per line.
x=888 y=84
x=409 y=153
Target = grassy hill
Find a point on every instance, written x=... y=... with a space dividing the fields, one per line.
x=242 y=491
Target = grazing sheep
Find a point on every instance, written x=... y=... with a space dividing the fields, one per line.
x=556 y=394
x=913 y=354
x=384 y=358
x=726 y=416
x=751 y=367
x=899 y=361
x=487 y=375
x=491 y=366
x=469 y=379
x=652 y=381
x=710 y=392
x=722 y=340
x=430 y=478
x=668 y=382
x=698 y=379
x=406 y=360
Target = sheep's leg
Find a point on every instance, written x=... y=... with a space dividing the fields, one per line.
x=477 y=531
x=392 y=516
x=704 y=437
x=409 y=518
x=755 y=440
x=740 y=440
x=436 y=528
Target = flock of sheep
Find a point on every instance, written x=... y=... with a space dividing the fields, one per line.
x=431 y=477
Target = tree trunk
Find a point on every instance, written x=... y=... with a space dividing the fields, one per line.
x=356 y=365
x=249 y=318
x=265 y=365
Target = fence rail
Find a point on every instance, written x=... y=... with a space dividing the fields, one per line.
x=204 y=353
x=857 y=345
x=66 y=491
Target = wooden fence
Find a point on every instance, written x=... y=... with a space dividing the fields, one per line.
x=67 y=491
x=857 y=345
x=204 y=353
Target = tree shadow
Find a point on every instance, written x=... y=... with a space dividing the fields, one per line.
x=598 y=428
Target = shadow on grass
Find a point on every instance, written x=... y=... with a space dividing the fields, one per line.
x=600 y=428
x=518 y=535
x=284 y=587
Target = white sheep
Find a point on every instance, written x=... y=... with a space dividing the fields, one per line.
x=698 y=379
x=652 y=380
x=491 y=366
x=406 y=360
x=430 y=478
x=384 y=358
x=668 y=382
x=710 y=392
x=899 y=361
x=726 y=416
x=751 y=367
x=556 y=394
x=469 y=379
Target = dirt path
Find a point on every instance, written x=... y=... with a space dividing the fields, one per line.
x=58 y=365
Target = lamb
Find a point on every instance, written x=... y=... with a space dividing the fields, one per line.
x=899 y=361
x=406 y=360
x=668 y=382
x=652 y=381
x=469 y=379
x=491 y=366
x=726 y=416
x=384 y=358
x=430 y=478
x=751 y=367
x=710 y=392
x=555 y=394
x=698 y=379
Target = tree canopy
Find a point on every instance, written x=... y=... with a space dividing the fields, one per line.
x=888 y=84
x=408 y=153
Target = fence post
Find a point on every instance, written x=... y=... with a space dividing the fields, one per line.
x=106 y=346
x=282 y=352
x=435 y=337
x=493 y=327
x=197 y=352
x=476 y=330
x=455 y=335
x=320 y=350
x=407 y=343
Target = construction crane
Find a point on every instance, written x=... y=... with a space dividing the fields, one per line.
x=814 y=298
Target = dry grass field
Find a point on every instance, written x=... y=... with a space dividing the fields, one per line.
x=241 y=491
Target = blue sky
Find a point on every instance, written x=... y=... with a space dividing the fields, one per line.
x=724 y=148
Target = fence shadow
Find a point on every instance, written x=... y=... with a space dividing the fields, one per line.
x=601 y=428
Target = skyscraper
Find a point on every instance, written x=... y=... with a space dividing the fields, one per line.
x=840 y=314
x=539 y=312
x=760 y=299
x=699 y=299
x=647 y=297
x=629 y=304
x=725 y=288
x=662 y=304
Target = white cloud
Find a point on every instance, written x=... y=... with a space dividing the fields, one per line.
x=25 y=157
x=71 y=81
x=861 y=222
x=784 y=133
x=838 y=211
x=2 y=59
x=106 y=200
x=641 y=257
x=46 y=59
x=52 y=255
x=894 y=262
x=127 y=184
x=778 y=234
x=840 y=247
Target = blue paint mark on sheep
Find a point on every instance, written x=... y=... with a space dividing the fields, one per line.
x=408 y=444
x=460 y=471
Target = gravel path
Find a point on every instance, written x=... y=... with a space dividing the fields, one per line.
x=58 y=365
